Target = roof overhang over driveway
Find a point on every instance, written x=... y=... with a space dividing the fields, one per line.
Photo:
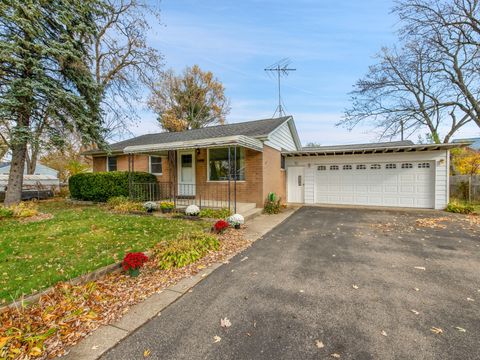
x=237 y=140
x=351 y=150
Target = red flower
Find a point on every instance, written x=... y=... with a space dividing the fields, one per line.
x=134 y=260
x=220 y=225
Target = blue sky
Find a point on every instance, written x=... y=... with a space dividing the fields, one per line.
x=330 y=43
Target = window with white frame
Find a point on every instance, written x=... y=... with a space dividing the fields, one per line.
x=333 y=167
x=424 y=165
x=391 y=166
x=407 y=166
x=361 y=167
x=111 y=163
x=321 y=167
x=375 y=167
x=156 y=165
x=218 y=164
x=347 y=167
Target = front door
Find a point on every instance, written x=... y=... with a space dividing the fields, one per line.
x=295 y=177
x=186 y=173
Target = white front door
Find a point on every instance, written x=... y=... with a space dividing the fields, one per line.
x=186 y=173
x=295 y=181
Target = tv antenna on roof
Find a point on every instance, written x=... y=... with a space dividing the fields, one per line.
x=282 y=69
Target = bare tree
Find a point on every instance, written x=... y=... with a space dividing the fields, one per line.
x=123 y=65
x=432 y=82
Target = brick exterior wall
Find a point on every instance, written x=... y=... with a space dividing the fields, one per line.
x=262 y=175
x=274 y=176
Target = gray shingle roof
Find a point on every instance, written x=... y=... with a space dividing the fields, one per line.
x=360 y=146
x=256 y=128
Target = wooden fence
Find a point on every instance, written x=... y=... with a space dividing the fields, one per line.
x=465 y=187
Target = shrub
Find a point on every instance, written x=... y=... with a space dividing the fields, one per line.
x=272 y=204
x=220 y=226
x=5 y=212
x=101 y=186
x=460 y=208
x=25 y=209
x=117 y=200
x=215 y=213
x=192 y=210
x=185 y=250
x=128 y=207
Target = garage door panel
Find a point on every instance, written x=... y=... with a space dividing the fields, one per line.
x=388 y=186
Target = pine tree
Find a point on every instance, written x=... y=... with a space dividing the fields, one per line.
x=44 y=64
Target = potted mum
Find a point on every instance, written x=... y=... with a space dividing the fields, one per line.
x=192 y=210
x=220 y=226
x=132 y=262
x=236 y=220
x=150 y=206
x=167 y=206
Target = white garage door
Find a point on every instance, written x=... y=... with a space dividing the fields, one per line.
x=403 y=184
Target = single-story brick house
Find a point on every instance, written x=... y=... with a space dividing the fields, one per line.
x=243 y=162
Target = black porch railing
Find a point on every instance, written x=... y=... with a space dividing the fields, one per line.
x=210 y=195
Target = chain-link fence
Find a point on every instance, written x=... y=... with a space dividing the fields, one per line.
x=465 y=188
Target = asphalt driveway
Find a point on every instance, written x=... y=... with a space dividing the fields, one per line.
x=332 y=282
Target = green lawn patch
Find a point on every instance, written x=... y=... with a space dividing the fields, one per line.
x=77 y=240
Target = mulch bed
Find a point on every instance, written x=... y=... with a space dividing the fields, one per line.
x=70 y=312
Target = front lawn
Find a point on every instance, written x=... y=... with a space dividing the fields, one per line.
x=79 y=239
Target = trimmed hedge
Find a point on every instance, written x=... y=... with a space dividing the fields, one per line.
x=101 y=186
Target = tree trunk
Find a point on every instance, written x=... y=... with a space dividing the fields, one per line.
x=15 y=178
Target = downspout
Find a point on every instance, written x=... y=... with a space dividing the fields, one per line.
x=235 y=180
x=229 y=177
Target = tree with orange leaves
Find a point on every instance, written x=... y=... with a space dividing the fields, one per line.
x=192 y=100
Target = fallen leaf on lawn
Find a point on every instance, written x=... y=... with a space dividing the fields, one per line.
x=436 y=330
x=355 y=286
x=36 y=351
x=415 y=312
x=319 y=344
x=420 y=267
x=4 y=340
x=470 y=299
x=245 y=258
x=225 y=323
x=460 y=329
x=384 y=333
x=335 y=355
x=146 y=353
x=216 y=338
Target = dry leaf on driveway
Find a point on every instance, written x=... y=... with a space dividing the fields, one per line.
x=355 y=286
x=319 y=344
x=415 y=312
x=216 y=339
x=225 y=323
x=436 y=330
x=146 y=353
x=470 y=299
x=460 y=329
x=335 y=355
x=384 y=333
x=420 y=267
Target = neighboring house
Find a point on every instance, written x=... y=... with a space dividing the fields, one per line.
x=474 y=142
x=44 y=177
x=266 y=156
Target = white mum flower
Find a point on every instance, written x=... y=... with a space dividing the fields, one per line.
x=192 y=210
x=236 y=219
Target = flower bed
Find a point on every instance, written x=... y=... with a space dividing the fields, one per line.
x=70 y=312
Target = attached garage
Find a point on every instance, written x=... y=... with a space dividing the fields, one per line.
x=395 y=174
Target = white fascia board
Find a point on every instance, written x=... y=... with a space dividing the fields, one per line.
x=239 y=140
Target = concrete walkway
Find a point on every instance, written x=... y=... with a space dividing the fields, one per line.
x=106 y=337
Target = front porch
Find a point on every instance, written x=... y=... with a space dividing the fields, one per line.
x=209 y=174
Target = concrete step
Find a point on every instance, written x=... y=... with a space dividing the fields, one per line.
x=243 y=208
x=252 y=213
